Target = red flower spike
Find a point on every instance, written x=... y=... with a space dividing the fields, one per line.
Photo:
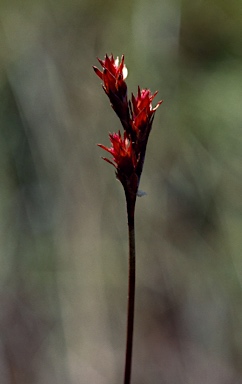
x=124 y=159
x=136 y=117
x=142 y=110
x=113 y=76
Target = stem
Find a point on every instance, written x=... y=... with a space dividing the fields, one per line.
x=131 y=292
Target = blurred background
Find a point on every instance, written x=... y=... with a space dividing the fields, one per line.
x=63 y=237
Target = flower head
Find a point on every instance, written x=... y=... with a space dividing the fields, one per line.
x=124 y=159
x=136 y=117
x=113 y=76
x=142 y=111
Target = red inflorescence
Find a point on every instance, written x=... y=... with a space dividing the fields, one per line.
x=136 y=117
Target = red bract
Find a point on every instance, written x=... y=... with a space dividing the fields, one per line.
x=124 y=159
x=142 y=110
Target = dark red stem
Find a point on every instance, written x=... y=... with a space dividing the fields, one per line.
x=131 y=289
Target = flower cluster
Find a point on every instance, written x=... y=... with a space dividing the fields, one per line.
x=122 y=152
x=136 y=116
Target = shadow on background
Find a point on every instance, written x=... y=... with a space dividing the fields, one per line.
x=63 y=240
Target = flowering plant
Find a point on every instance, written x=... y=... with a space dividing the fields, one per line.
x=128 y=154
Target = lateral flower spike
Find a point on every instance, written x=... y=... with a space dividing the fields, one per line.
x=142 y=110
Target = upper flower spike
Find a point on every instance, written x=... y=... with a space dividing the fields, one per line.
x=113 y=76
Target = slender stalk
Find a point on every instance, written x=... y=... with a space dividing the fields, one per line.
x=131 y=291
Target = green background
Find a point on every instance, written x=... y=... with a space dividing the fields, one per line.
x=63 y=233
